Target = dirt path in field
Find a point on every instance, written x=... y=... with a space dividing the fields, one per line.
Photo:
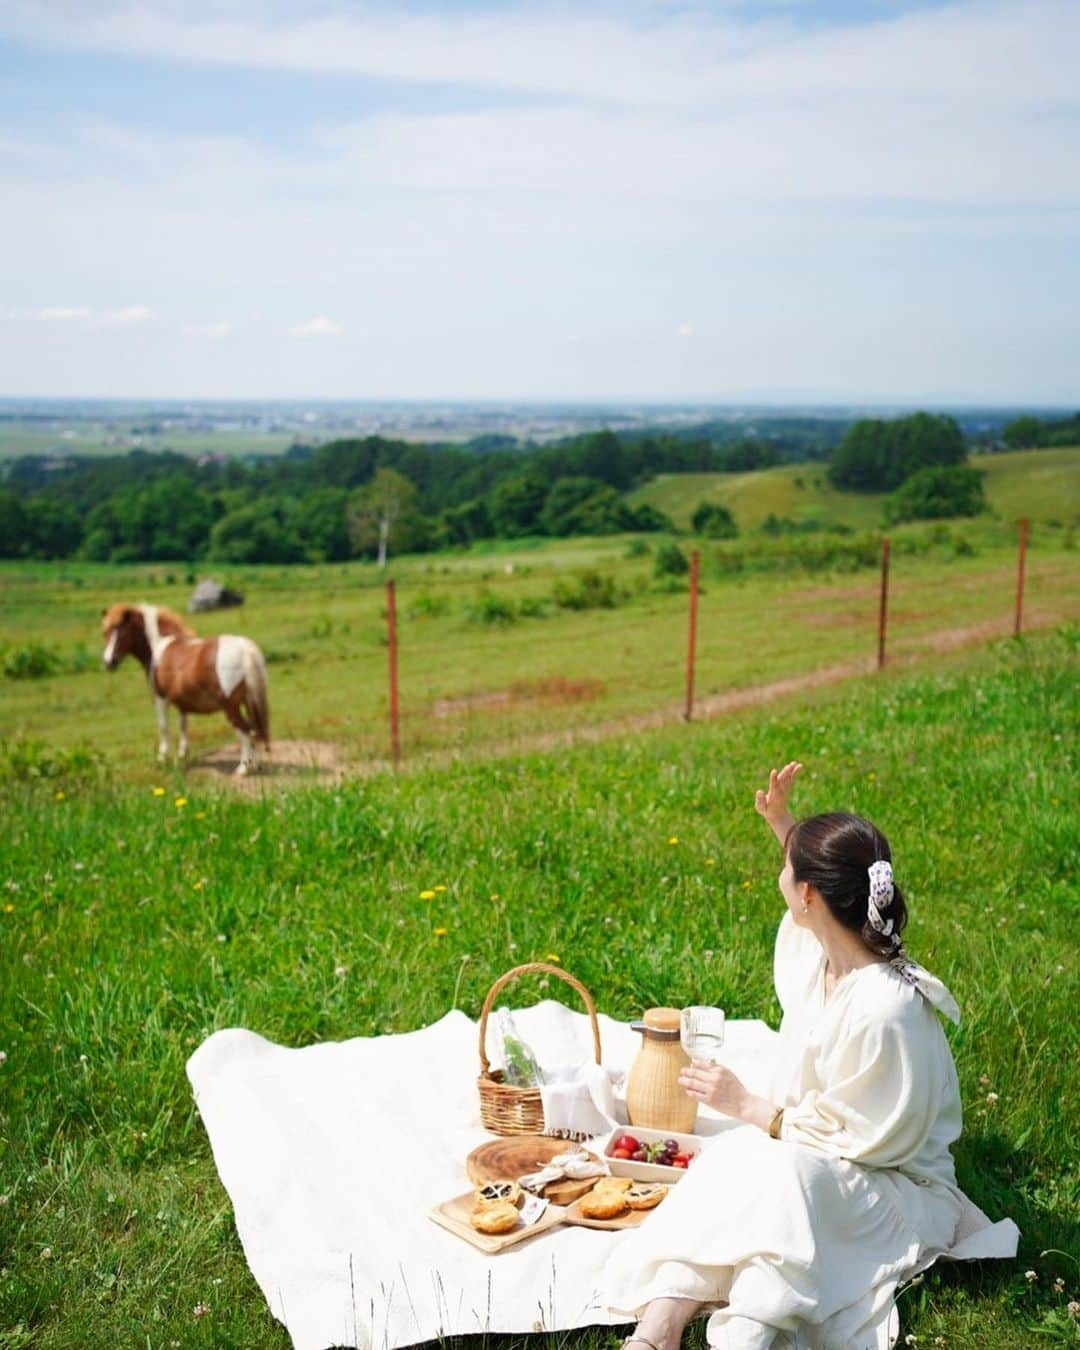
x=293 y=763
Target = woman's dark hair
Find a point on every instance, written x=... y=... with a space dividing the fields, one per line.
x=833 y=853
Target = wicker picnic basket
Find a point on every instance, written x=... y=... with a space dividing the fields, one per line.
x=505 y=1109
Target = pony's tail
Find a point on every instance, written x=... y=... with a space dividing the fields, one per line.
x=256 y=698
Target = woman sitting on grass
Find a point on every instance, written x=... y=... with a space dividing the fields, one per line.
x=798 y=1230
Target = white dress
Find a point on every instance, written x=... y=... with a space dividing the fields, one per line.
x=804 y=1239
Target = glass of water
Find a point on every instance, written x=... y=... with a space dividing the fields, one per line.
x=701 y=1031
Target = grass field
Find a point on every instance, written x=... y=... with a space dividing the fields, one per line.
x=1041 y=484
x=133 y=926
x=467 y=683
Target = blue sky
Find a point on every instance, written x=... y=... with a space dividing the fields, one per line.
x=803 y=200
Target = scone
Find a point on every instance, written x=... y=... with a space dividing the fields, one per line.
x=500 y=1216
x=601 y=1204
x=493 y=1191
x=644 y=1195
x=621 y=1184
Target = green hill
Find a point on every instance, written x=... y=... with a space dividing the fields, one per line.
x=1041 y=484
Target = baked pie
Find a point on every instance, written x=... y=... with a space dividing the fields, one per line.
x=498 y=1216
x=645 y=1195
x=493 y=1191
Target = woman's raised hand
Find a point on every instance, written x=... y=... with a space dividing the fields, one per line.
x=773 y=802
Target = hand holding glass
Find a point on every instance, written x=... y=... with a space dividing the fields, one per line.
x=701 y=1031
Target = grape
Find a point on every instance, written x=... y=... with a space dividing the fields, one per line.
x=671 y=1145
x=641 y=1156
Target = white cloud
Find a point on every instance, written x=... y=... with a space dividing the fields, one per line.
x=320 y=326
x=129 y=314
x=779 y=176
x=991 y=49
x=62 y=314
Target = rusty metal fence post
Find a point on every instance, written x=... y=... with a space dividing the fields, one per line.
x=391 y=633
x=884 y=603
x=691 y=653
x=1020 y=576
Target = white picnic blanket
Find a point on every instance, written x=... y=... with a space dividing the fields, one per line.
x=333 y=1155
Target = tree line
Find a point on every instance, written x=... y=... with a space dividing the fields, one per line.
x=353 y=497
x=319 y=503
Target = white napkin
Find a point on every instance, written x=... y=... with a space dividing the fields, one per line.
x=579 y=1100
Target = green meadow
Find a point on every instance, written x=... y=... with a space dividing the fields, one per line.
x=135 y=923
x=1041 y=484
x=143 y=907
x=494 y=649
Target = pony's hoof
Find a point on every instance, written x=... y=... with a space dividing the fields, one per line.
x=242 y=769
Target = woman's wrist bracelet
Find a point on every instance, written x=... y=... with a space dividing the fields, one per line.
x=776 y=1122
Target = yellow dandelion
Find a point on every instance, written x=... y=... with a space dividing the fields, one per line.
x=59 y=795
x=553 y=959
x=710 y=862
x=440 y=888
x=441 y=932
x=674 y=839
x=9 y=909
x=746 y=885
x=180 y=803
x=158 y=791
x=427 y=895
x=198 y=885
x=200 y=815
x=494 y=895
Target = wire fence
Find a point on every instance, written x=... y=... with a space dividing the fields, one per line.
x=691 y=654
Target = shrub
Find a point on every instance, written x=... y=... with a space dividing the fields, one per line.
x=490 y=608
x=671 y=561
x=588 y=590
x=429 y=606
x=714 y=521
x=638 y=548
x=34 y=661
x=24 y=761
x=936 y=493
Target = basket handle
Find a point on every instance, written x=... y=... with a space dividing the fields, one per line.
x=531 y=968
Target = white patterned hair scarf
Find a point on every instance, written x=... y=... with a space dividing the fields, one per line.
x=881 y=894
x=931 y=988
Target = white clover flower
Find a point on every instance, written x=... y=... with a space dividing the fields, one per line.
x=1074 y=1308
x=1030 y=1276
x=200 y=1309
x=991 y=1098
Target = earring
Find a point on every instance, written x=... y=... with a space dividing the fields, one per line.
x=806 y=909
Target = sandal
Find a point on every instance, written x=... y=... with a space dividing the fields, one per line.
x=641 y=1340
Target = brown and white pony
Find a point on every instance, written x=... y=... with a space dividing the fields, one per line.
x=197 y=675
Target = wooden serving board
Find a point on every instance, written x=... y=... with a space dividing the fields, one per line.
x=517 y=1155
x=631 y=1218
x=453 y=1215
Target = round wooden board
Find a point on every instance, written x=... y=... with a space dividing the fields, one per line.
x=518 y=1154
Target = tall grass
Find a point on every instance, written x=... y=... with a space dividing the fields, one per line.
x=134 y=922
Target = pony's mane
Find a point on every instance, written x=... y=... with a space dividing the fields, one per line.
x=170 y=623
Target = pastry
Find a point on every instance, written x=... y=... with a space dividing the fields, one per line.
x=601 y=1204
x=500 y=1216
x=644 y=1195
x=492 y=1191
x=621 y=1184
